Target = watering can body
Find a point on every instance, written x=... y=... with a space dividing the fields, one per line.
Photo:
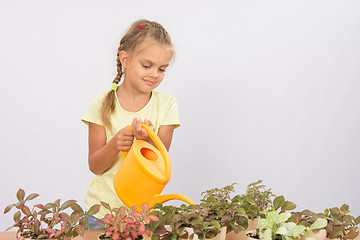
x=144 y=171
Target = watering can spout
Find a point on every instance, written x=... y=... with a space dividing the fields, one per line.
x=167 y=197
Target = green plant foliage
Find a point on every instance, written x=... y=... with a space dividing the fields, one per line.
x=275 y=225
x=260 y=194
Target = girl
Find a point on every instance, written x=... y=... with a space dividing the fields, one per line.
x=144 y=54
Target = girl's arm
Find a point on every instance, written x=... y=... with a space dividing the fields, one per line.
x=165 y=134
x=102 y=155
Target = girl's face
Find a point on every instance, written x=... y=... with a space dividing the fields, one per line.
x=145 y=67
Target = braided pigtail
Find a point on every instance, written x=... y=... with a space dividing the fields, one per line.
x=108 y=105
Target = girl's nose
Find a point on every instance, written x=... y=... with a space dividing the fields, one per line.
x=154 y=74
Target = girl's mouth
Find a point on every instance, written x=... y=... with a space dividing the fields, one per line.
x=149 y=82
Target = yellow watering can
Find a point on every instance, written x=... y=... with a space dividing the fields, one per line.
x=144 y=171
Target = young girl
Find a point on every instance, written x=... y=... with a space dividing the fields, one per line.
x=144 y=54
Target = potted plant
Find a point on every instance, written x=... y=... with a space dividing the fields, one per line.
x=126 y=223
x=208 y=220
x=228 y=212
x=260 y=194
x=256 y=199
x=276 y=226
x=307 y=218
x=49 y=221
x=341 y=224
x=184 y=222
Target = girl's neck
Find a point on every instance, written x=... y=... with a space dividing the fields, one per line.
x=132 y=100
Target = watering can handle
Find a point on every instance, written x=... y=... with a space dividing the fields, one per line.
x=158 y=144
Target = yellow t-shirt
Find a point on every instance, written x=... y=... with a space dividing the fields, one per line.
x=162 y=109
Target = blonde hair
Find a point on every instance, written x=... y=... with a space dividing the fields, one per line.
x=138 y=32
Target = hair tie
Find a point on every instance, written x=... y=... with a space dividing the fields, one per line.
x=140 y=26
x=114 y=86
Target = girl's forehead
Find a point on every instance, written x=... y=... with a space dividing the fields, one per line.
x=153 y=51
x=151 y=45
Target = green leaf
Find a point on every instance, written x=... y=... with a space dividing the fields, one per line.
x=326 y=212
x=20 y=195
x=94 y=209
x=357 y=221
x=344 y=208
x=32 y=196
x=279 y=202
x=283 y=217
x=17 y=216
x=49 y=205
x=65 y=217
x=76 y=207
x=298 y=230
x=262 y=223
x=290 y=226
x=215 y=223
x=267 y=234
x=281 y=231
x=106 y=205
x=8 y=208
x=67 y=204
x=318 y=224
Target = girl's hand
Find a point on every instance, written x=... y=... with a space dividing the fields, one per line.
x=139 y=132
x=123 y=139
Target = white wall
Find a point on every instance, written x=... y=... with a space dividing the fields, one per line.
x=266 y=89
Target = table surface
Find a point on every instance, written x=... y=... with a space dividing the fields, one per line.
x=89 y=235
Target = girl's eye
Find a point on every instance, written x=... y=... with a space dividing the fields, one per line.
x=162 y=70
x=146 y=66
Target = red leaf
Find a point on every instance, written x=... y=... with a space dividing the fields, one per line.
x=136 y=214
x=134 y=234
x=39 y=206
x=154 y=218
x=49 y=230
x=101 y=224
x=128 y=220
x=24 y=220
x=108 y=221
x=141 y=229
x=115 y=236
x=26 y=211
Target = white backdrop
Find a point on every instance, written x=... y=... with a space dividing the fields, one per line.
x=266 y=90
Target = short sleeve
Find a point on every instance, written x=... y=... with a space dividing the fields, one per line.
x=172 y=115
x=93 y=112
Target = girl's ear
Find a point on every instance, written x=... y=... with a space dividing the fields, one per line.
x=123 y=57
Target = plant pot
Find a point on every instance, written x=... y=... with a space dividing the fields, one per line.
x=242 y=235
x=220 y=236
x=143 y=237
x=321 y=235
x=19 y=236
